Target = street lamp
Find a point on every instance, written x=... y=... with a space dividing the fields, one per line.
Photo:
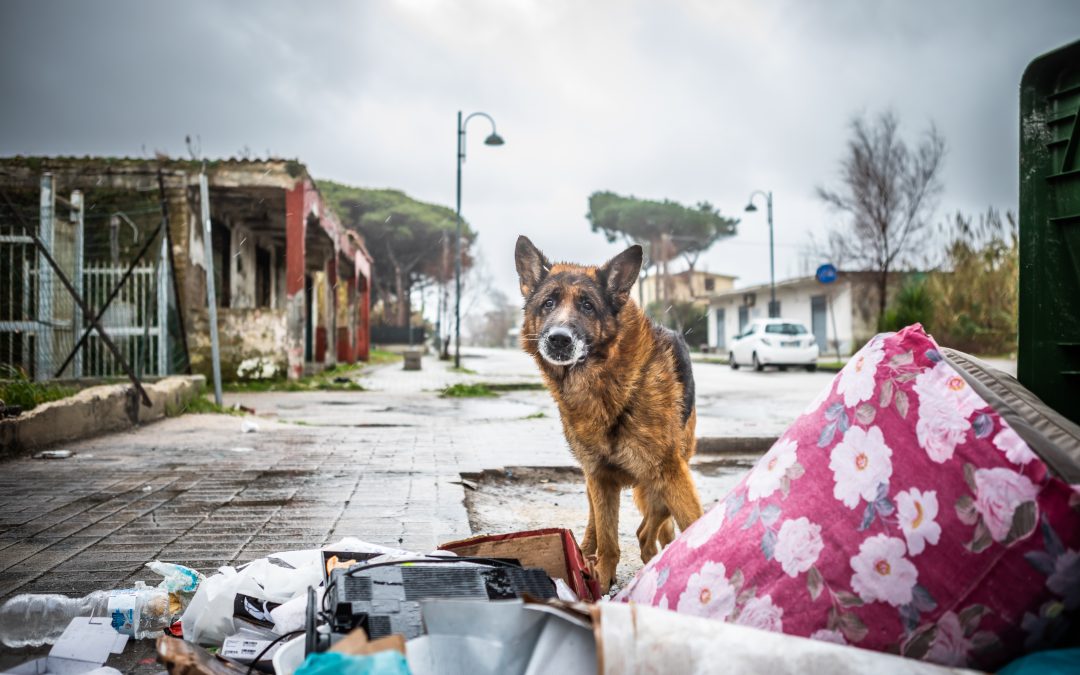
x=774 y=308
x=492 y=139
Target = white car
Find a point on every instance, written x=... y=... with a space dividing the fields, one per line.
x=774 y=342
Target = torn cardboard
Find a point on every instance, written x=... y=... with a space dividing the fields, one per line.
x=553 y=549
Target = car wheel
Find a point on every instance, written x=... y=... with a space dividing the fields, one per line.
x=731 y=361
x=811 y=368
x=782 y=369
x=757 y=364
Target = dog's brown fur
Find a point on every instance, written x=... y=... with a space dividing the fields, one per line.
x=627 y=406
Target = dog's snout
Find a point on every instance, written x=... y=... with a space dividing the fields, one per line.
x=560 y=338
x=561 y=346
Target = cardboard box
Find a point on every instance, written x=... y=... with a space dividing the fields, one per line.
x=553 y=549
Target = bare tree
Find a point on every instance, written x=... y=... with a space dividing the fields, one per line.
x=888 y=193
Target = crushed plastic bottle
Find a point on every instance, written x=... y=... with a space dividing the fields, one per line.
x=31 y=620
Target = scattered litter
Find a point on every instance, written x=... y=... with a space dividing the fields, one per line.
x=464 y=482
x=83 y=647
x=511 y=637
x=341 y=380
x=244 y=408
x=10 y=410
x=242 y=449
x=248 y=427
x=247 y=645
x=181 y=656
x=34 y=619
x=554 y=550
x=332 y=663
x=147 y=488
x=55 y=454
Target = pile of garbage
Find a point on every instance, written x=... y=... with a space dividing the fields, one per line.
x=520 y=603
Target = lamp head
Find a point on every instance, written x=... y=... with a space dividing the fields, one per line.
x=750 y=208
x=494 y=139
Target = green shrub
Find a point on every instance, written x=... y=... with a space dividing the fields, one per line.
x=17 y=389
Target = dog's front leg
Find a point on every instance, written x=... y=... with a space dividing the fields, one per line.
x=604 y=496
x=588 y=542
x=680 y=495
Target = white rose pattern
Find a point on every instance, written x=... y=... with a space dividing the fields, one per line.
x=882 y=573
x=918 y=512
x=859 y=377
x=798 y=546
x=946 y=403
x=705 y=527
x=1014 y=447
x=767 y=474
x=708 y=593
x=860 y=463
x=761 y=613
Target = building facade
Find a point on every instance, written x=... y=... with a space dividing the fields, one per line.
x=688 y=286
x=292 y=285
x=842 y=315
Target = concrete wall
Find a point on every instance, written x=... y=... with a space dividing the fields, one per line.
x=242 y=334
x=94 y=411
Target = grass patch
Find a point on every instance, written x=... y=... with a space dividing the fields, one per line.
x=538 y=415
x=378 y=357
x=713 y=359
x=17 y=389
x=515 y=386
x=468 y=391
x=462 y=370
x=201 y=405
x=324 y=381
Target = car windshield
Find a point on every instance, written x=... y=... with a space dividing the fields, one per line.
x=786 y=328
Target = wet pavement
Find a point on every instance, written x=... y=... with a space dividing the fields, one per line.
x=384 y=465
x=526 y=498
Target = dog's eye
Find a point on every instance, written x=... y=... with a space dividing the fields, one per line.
x=549 y=303
x=586 y=306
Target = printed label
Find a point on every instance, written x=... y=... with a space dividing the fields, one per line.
x=124 y=611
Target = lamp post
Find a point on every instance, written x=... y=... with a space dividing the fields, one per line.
x=774 y=309
x=492 y=139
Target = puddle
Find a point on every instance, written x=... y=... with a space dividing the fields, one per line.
x=525 y=498
x=358 y=425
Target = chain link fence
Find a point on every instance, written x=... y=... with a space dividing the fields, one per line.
x=111 y=247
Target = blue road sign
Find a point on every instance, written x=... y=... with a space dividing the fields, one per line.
x=826 y=274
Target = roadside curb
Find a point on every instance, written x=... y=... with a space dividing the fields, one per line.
x=94 y=411
x=734 y=445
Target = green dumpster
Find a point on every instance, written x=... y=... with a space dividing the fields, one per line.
x=1049 y=321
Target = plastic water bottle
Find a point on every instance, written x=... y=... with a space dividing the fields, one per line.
x=31 y=620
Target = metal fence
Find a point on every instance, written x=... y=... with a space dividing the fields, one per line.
x=110 y=248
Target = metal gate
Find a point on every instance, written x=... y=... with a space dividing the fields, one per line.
x=39 y=320
x=18 y=297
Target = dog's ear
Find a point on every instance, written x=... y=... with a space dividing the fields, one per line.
x=620 y=273
x=532 y=266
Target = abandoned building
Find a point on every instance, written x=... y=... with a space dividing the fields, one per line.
x=292 y=284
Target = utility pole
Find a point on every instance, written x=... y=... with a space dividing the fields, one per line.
x=211 y=291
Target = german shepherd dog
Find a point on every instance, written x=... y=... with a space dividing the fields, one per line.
x=625 y=393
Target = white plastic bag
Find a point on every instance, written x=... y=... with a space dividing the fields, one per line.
x=279 y=578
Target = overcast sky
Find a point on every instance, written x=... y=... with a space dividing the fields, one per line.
x=692 y=100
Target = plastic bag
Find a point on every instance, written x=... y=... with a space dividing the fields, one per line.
x=279 y=578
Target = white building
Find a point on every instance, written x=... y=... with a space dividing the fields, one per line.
x=841 y=315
